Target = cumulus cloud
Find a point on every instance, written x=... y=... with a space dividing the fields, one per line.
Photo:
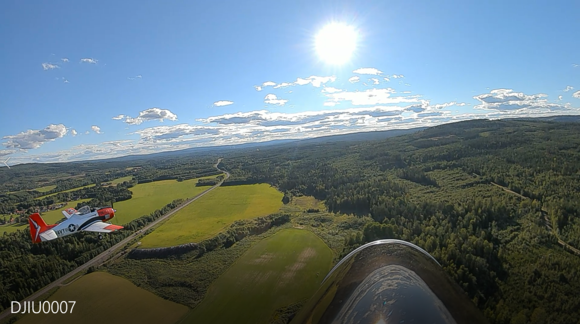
x=89 y=60
x=272 y=99
x=49 y=66
x=96 y=129
x=73 y=132
x=354 y=79
x=64 y=59
x=222 y=103
x=568 y=88
x=386 y=79
x=370 y=97
x=314 y=80
x=148 y=114
x=559 y=97
x=371 y=71
x=576 y=94
x=330 y=90
x=507 y=99
x=375 y=81
x=258 y=88
x=32 y=139
x=395 y=76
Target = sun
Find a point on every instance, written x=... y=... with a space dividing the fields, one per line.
x=335 y=43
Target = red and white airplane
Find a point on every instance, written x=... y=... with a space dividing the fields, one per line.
x=85 y=219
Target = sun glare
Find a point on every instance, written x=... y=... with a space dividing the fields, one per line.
x=335 y=43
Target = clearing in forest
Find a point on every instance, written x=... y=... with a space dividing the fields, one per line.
x=281 y=270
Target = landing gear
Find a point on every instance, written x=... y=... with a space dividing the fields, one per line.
x=100 y=237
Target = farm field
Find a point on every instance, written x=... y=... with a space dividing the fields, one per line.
x=206 y=217
x=69 y=190
x=50 y=217
x=148 y=197
x=102 y=297
x=121 y=180
x=265 y=279
x=45 y=188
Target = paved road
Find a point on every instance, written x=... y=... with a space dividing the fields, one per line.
x=99 y=259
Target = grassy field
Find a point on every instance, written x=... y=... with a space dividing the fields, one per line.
x=281 y=270
x=104 y=298
x=148 y=197
x=206 y=217
x=50 y=217
x=121 y=180
x=69 y=190
x=45 y=189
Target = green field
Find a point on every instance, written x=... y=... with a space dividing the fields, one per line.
x=69 y=190
x=45 y=189
x=148 y=197
x=50 y=217
x=104 y=298
x=121 y=180
x=221 y=207
x=281 y=270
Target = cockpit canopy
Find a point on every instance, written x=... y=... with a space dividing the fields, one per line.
x=84 y=210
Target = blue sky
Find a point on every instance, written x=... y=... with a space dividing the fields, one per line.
x=84 y=80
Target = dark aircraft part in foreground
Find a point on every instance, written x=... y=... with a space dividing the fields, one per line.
x=389 y=281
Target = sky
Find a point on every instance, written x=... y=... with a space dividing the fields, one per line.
x=91 y=80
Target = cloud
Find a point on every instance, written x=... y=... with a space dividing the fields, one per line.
x=568 y=88
x=73 y=132
x=370 y=97
x=49 y=66
x=137 y=77
x=32 y=139
x=576 y=94
x=507 y=99
x=375 y=81
x=330 y=90
x=387 y=79
x=6 y=152
x=165 y=133
x=575 y=65
x=400 y=76
x=559 y=97
x=354 y=79
x=148 y=114
x=222 y=103
x=272 y=99
x=89 y=60
x=64 y=59
x=65 y=80
x=314 y=80
x=371 y=71
x=96 y=129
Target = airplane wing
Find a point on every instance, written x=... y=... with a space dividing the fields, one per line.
x=102 y=227
x=69 y=212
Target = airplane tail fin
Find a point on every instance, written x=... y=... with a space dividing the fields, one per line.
x=37 y=226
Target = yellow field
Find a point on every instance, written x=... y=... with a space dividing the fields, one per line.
x=104 y=298
x=50 y=217
x=204 y=218
x=121 y=180
x=45 y=189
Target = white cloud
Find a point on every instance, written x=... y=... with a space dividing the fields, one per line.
x=6 y=152
x=568 y=88
x=89 y=60
x=330 y=90
x=137 y=77
x=354 y=79
x=148 y=114
x=258 y=88
x=64 y=59
x=559 y=97
x=370 y=97
x=87 y=132
x=508 y=100
x=166 y=133
x=273 y=100
x=49 y=66
x=371 y=71
x=314 y=80
x=576 y=94
x=96 y=129
x=575 y=65
x=65 y=80
x=375 y=81
x=395 y=76
x=32 y=139
x=73 y=132
x=387 y=79
x=222 y=103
